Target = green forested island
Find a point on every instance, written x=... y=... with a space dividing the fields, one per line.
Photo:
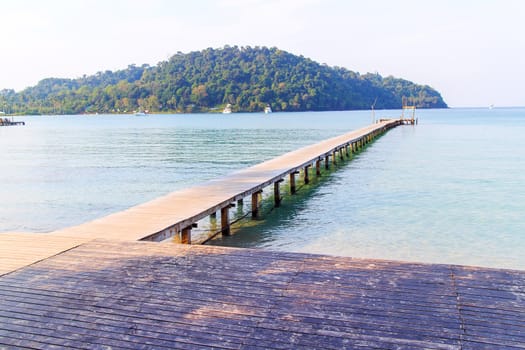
x=247 y=78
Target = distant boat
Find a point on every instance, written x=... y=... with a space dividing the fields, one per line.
x=141 y=113
x=267 y=109
x=491 y=107
x=227 y=109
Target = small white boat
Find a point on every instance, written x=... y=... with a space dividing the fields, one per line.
x=267 y=109
x=140 y=113
x=227 y=109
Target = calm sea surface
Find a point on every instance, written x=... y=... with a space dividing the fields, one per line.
x=449 y=190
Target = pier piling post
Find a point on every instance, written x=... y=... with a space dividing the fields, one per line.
x=225 y=221
x=341 y=153
x=306 y=178
x=327 y=162
x=185 y=235
x=318 y=167
x=334 y=157
x=292 y=182
x=277 y=193
x=255 y=204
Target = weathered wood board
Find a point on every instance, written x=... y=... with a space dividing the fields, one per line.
x=141 y=295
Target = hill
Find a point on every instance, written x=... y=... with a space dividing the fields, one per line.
x=248 y=78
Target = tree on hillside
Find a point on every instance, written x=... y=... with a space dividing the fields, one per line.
x=248 y=78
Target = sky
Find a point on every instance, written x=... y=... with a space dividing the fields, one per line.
x=472 y=52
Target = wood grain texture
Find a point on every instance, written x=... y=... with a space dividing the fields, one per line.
x=139 y=295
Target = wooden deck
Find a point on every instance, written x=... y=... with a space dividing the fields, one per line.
x=143 y=295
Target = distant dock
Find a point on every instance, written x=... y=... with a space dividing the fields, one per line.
x=10 y=122
x=408 y=116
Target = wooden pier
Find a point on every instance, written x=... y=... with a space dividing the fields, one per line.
x=95 y=286
x=408 y=116
x=177 y=213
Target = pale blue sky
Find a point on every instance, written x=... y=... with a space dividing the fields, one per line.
x=473 y=52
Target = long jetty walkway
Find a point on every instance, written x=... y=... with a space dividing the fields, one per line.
x=177 y=212
x=97 y=286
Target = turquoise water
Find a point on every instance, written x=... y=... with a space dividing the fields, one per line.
x=447 y=191
x=65 y=170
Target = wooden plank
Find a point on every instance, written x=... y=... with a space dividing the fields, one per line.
x=21 y=249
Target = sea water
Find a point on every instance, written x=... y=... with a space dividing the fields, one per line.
x=445 y=191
